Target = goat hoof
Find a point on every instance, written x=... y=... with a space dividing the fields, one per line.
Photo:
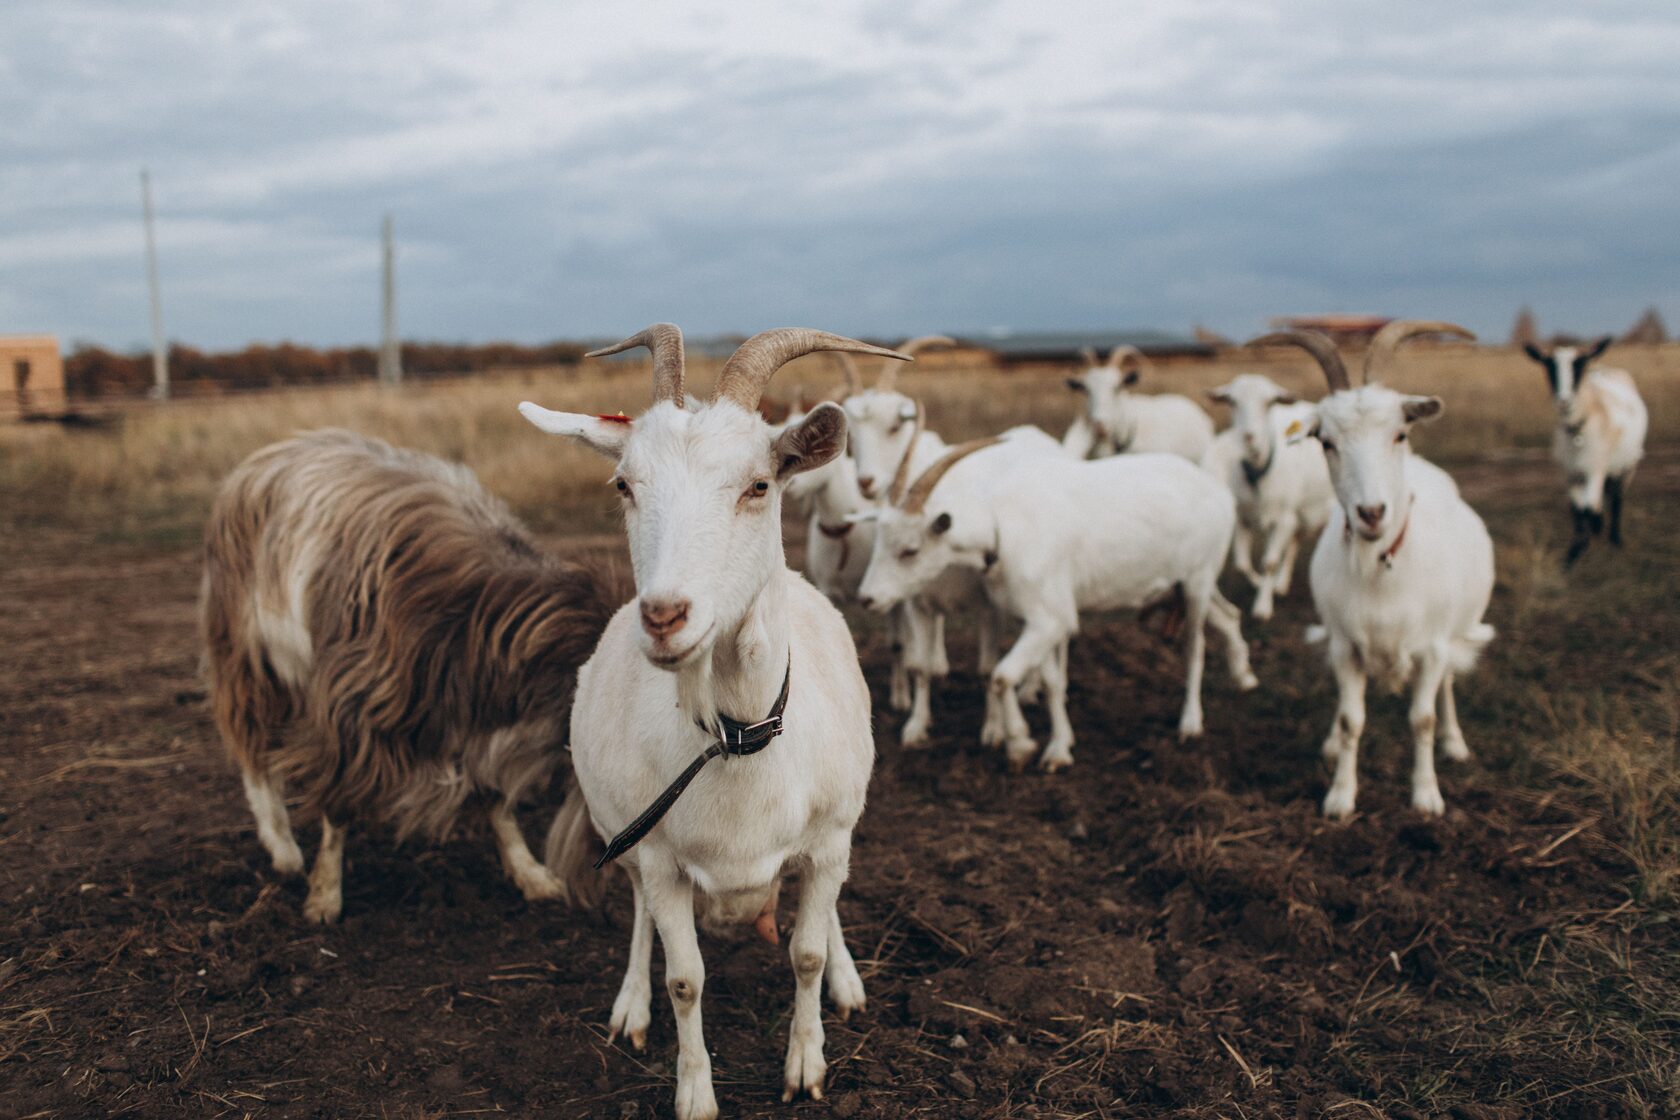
x=289 y=860
x=323 y=910
x=1051 y=763
x=1428 y=801
x=540 y=886
x=1248 y=682
x=805 y=1069
x=1189 y=729
x=1018 y=753
x=695 y=1100
x=1455 y=748
x=1338 y=804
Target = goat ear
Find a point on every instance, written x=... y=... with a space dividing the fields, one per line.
x=601 y=434
x=1421 y=408
x=1535 y=352
x=941 y=525
x=1217 y=396
x=1593 y=351
x=811 y=443
x=1130 y=377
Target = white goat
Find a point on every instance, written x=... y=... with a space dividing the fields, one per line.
x=957 y=588
x=1280 y=481
x=1599 y=439
x=1056 y=537
x=720 y=625
x=1403 y=574
x=1118 y=420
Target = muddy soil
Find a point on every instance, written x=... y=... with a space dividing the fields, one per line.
x=1164 y=930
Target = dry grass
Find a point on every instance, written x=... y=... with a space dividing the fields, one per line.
x=151 y=473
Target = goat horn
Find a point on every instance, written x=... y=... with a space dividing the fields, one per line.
x=665 y=341
x=1316 y=343
x=756 y=360
x=1088 y=355
x=901 y=477
x=922 y=489
x=889 y=372
x=1383 y=344
x=1118 y=357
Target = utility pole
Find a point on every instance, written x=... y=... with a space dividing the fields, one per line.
x=390 y=354
x=160 y=356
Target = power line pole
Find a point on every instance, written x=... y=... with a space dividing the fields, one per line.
x=390 y=354
x=160 y=356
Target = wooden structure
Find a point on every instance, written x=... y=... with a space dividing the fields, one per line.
x=31 y=376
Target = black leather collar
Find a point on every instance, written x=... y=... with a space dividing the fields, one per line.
x=1255 y=474
x=735 y=739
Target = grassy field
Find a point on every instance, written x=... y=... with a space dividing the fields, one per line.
x=151 y=473
x=1163 y=931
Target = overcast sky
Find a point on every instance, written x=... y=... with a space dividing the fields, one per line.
x=561 y=170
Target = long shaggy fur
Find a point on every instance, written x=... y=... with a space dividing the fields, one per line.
x=384 y=602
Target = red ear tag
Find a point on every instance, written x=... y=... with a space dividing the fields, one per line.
x=619 y=419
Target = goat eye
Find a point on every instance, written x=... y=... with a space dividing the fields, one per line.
x=759 y=488
x=623 y=486
x=908 y=553
x=1401 y=438
x=1329 y=448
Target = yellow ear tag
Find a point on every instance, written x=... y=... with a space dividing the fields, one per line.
x=1296 y=432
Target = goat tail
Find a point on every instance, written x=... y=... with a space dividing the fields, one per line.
x=571 y=850
x=1467 y=647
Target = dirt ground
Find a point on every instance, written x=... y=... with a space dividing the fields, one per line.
x=1161 y=931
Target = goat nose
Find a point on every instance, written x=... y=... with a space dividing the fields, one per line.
x=866 y=602
x=663 y=617
x=1373 y=515
x=866 y=483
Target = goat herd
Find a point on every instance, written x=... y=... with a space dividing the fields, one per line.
x=428 y=652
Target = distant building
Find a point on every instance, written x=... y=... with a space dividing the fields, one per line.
x=31 y=376
x=1346 y=330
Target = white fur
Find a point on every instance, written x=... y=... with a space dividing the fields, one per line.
x=1062 y=537
x=1600 y=434
x=969 y=483
x=697 y=534
x=1117 y=419
x=1284 y=490
x=1416 y=618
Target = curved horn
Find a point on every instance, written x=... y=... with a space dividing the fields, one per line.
x=1317 y=344
x=854 y=379
x=901 y=477
x=756 y=360
x=1088 y=355
x=1118 y=357
x=1383 y=344
x=922 y=489
x=888 y=380
x=665 y=341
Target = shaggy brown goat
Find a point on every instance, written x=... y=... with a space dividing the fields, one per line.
x=402 y=619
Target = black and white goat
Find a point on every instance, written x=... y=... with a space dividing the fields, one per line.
x=1599 y=439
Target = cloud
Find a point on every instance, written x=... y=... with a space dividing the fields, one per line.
x=867 y=166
